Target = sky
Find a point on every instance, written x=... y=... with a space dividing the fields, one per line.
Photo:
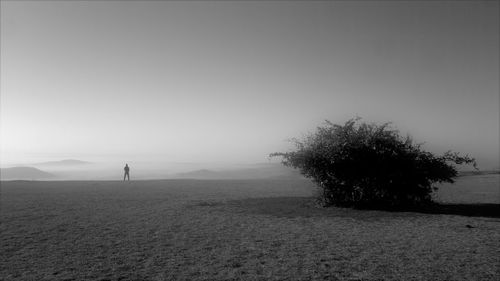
x=231 y=81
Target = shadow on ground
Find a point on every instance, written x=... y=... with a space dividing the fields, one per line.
x=469 y=210
x=307 y=207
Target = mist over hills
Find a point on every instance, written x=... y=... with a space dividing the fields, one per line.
x=72 y=169
x=24 y=173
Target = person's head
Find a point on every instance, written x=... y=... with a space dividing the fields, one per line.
x=126 y=164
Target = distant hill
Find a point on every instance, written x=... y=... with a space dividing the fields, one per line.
x=199 y=174
x=258 y=171
x=477 y=173
x=65 y=162
x=24 y=173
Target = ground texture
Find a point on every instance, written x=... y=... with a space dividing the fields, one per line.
x=229 y=230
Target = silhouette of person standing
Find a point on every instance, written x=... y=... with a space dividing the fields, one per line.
x=126 y=175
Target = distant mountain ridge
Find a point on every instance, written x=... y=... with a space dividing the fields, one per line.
x=478 y=173
x=24 y=173
x=267 y=171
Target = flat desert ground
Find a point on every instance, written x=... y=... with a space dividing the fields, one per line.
x=239 y=230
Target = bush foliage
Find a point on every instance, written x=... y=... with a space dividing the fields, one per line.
x=369 y=165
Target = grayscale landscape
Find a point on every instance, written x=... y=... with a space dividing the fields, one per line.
x=249 y=140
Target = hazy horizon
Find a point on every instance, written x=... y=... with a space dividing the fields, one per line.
x=230 y=82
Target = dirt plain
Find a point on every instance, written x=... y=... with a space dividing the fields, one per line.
x=238 y=230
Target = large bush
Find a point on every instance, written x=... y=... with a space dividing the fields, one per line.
x=370 y=165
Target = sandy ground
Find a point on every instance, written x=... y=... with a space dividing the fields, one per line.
x=230 y=230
